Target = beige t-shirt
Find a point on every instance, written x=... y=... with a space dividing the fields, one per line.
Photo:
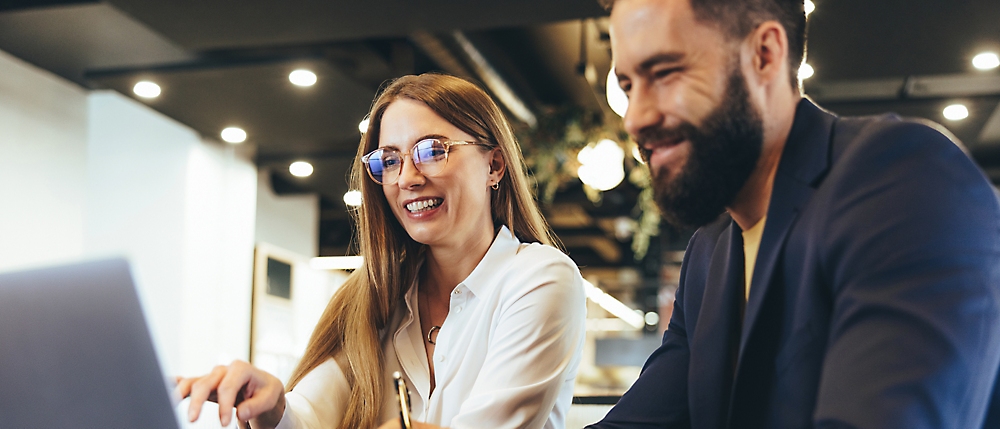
x=751 y=243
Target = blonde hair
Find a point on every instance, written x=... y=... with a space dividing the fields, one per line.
x=349 y=329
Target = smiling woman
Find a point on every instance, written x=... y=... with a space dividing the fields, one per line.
x=447 y=216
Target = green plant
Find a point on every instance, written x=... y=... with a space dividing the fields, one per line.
x=550 y=150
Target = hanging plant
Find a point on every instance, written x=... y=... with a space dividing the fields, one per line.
x=551 y=152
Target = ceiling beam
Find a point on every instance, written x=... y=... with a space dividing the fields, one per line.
x=991 y=131
x=910 y=87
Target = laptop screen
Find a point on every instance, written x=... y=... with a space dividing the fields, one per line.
x=75 y=351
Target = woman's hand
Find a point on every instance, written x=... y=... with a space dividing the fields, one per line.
x=255 y=394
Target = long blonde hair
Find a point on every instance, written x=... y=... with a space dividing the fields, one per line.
x=349 y=329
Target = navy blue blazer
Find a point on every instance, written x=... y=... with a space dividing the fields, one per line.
x=874 y=303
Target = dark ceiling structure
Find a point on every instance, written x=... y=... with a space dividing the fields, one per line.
x=223 y=62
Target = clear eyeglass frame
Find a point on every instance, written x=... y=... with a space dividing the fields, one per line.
x=429 y=156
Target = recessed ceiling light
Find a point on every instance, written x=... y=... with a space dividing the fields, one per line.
x=363 y=125
x=234 y=135
x=986 y=61
x=806 y=71
x=352 y=198
x=302 y=77
x=809 y=7
x=956 y=112
x=146 y=89
x=301 y=169
x=616 y=97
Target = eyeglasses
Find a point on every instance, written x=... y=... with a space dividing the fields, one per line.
x=429 y=156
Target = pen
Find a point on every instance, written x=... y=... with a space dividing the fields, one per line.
x=404 y=400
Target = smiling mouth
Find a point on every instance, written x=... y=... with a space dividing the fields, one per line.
x=424 y=205
x=663 y=144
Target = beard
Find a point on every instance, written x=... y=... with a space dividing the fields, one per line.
x=724 y=152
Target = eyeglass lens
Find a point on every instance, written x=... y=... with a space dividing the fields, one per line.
x=429 y=156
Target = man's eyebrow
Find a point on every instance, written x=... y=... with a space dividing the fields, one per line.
x=667 y=57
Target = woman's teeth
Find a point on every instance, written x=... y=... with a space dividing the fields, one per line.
x=423 y=205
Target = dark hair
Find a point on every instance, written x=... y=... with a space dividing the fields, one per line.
x=737 y=18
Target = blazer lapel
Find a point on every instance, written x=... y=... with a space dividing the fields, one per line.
x=804 y=161
x=716 y=336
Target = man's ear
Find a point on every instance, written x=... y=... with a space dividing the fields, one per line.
x=769 y=60
x=498 y=166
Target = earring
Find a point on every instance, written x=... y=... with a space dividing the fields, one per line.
x=496 y=186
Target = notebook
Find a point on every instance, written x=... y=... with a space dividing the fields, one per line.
x=75 y=351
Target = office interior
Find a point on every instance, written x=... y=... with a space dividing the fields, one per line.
x=210 y=142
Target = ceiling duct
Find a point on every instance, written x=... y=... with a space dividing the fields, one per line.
x=468 y=54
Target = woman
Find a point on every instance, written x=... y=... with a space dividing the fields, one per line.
x=486 y=330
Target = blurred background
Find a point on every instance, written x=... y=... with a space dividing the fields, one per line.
x=210 y=142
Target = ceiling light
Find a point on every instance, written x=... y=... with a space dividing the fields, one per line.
x=146 y=89
x=301 y=169
x=616 y=97
x=810 y=7
x=302 y=77
x=352 y=198
x=986 y=61
x=806 y=71
x=363 y=125
x=234 y=135
x=956 y=112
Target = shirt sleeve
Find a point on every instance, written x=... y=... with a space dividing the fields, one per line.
x=533 y=351
x=318 y=401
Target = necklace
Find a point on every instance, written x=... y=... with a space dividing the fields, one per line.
x=431 y=332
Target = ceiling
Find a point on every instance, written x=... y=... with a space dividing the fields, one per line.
x=226 y=62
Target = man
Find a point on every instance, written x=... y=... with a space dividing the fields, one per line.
x=853 y=279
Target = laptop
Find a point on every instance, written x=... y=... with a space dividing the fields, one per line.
x=75 y=351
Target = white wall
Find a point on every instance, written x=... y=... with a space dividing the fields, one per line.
x=182 y=210
x=43 y=151
x=290 y=222
x=86 y=175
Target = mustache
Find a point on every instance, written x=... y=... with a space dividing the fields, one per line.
x=652 y=135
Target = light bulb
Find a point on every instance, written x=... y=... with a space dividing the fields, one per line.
x=146 y=89
x=234 y=135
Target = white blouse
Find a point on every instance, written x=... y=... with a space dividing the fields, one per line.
x=506 y=355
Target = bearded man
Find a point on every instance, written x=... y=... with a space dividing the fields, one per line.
x=846 y=272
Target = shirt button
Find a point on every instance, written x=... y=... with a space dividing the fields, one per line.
x=458 y=309
x=458 y=291
x=441 y=358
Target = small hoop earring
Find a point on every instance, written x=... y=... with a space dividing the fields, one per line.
x=496 y=186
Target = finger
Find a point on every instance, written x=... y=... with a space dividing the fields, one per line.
x=201 y=389
x=230 y=388
x=183 y=388
x=262 y=395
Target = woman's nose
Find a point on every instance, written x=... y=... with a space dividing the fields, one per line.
x=409 y=174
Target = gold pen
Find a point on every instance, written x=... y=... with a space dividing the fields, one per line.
x=404 y=400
